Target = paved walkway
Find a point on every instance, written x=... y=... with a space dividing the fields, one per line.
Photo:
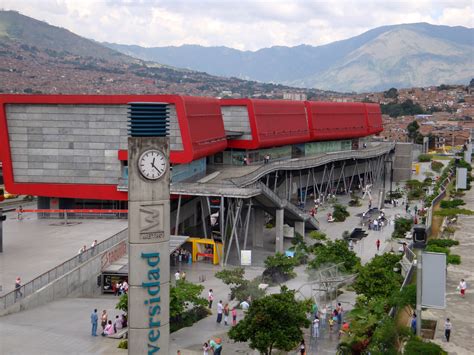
x=33 y=246
x=458 y=309
x=58 y=328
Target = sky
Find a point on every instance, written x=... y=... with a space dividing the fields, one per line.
x=240 y=24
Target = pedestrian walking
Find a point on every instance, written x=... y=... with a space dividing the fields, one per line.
x=246 y=161
x=94 y=319
x=18 y=292
x=177 y=276
x=103 y=319
x=220 y=310
x=20 y=213
x=302 y=347
x=210 y=298
x=266 y=159
x=447 y=329
x=234 y=316
x=377 y=243
x=118 y=324
x=316 y=327
x=462 y=287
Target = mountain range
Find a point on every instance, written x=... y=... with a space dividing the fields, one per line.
x=406 y=55
x=36 y=57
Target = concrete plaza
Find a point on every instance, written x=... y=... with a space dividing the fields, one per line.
x=33 y=246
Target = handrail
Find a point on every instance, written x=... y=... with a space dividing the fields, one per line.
x=10 y=298
x=310 y=161
x=286 y=204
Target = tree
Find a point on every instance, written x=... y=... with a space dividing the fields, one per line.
x=377 y=278
x=334 y=253
x=391 y=93
x=184 y=294
x=273 y=322
x=412 y=129
x=340 y=213
x=240 y=288
x=279 y=268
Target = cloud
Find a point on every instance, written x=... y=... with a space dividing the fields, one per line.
x=243 y=24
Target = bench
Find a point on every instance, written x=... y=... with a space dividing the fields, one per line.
x=205 y=255
x=122 y=333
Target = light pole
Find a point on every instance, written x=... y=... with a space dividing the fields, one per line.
x=419 y=243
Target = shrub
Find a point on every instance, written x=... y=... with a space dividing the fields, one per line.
x=437 y=249
x=454 y=259
x=355 y=202
x=402 y=225
x=123 y=344
x=444 y=243
x=416 y=346
x=395 y=194
x=334 y=253
x=188 y=318
x=436 y=166
x=317 y=235
x=452 y=204
x=279 y=268
x=340 y=213
x=452 y=212
x=423 y=158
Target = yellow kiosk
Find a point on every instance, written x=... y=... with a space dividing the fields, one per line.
x=202 y=248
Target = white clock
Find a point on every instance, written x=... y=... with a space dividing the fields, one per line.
x=152 y=164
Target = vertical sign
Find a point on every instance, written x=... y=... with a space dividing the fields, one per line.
x=149 y=226
x=433 y=280
x=461 y=178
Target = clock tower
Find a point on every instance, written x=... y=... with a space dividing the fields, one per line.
x=149 y=228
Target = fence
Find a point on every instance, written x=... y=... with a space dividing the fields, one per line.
x=75 y=213
x=39 y=282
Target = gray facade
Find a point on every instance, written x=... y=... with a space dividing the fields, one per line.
x=71 y=143
x=236 y=118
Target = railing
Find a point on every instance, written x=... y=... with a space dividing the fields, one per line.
x=406 y=281
x=286 y=204
x=311 y=161
x=10 y=298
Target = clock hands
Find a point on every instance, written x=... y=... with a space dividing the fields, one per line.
x=153 y=165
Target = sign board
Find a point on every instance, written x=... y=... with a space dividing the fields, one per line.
x=468 y=153
x=461 y=178
x=433 y=279
x=246 y=257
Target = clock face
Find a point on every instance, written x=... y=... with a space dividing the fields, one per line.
x=152 y=164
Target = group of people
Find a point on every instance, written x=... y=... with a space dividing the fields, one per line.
x=120 y=288
x=224 y=310
x=180 y=276
x=181 y=255
x=109 y=327
x=84 y=248
x=214 y=345
x=378 y=223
